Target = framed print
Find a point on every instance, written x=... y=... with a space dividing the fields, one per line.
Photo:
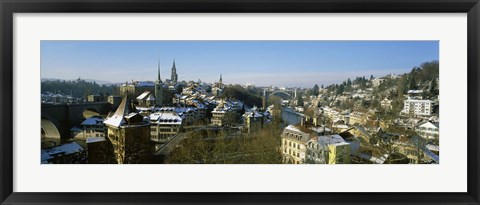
x=239 y=102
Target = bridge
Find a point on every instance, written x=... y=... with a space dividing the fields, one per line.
x=58 y=119
x=284 y=94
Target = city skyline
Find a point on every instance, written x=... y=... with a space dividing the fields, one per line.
x=263 y=63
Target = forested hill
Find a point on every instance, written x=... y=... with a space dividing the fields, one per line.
x=78 y=88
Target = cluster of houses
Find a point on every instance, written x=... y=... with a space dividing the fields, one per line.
x=332 y=135
x=146 y=118
x=141 y=117
x=49 y=97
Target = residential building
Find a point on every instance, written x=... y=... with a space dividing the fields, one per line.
x=94 y=98
x=146 y=99
x=294 y=141
x=127 y=89
x=377 y=81
x=428 y=130
x=136 y=88
x=165 y=124
x=417 y=107
x=63 y=154
x=114 y=101
x=386 y=104
x=92 y=127
x=328 y=149
x=219 y=113
x=415 y=94
x=358 y=118
x=253 y=120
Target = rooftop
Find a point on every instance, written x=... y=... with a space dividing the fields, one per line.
x=92 y=121
x=95 y=139
x=64 y=149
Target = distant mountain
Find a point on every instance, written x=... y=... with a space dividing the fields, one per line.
x=100 y=82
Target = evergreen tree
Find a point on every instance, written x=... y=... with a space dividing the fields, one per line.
x=413 y=84
x=340 y=89
x=299 y=100
x=316 y=90
x=433 y=88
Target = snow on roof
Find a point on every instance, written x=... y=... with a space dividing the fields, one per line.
x=130 y=115
x=150 y=97
x=117 y=119
x=433 y=147
x=143 y=95
x=429 y=125
x=145 y=84
x=92 y=121
x=165 y=109
x=415 y=91
x=75 y=129
x=95 y=139
x=292 y=128
x=166 y=118
x=64 y=149
x=373 y=159
x=341 y=126
x=320 y=129
x=253 y=114
x=181 y=110
x=417 y=100
x=331 y=140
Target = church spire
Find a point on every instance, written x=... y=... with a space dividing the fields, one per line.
x=174 y=77
x=159 y=80
x=220 y=78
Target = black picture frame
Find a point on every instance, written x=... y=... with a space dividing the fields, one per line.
x=9 y=7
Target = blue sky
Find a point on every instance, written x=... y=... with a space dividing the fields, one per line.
x=263 y=63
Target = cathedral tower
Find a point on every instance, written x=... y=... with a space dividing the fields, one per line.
x=174 y=73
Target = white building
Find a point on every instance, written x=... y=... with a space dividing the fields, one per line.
x=386 y=104
x=253 y=120
x=377 y=81
x=223 y=108
x=417 y=107
x=328 y=149
x=415 y=94
x=146 y=99
x=92 y=127
x=294 y=143
x=164 y=125
x=428 y=130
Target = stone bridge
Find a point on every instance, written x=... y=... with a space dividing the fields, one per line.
x=288 y=94
x=64 y=116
